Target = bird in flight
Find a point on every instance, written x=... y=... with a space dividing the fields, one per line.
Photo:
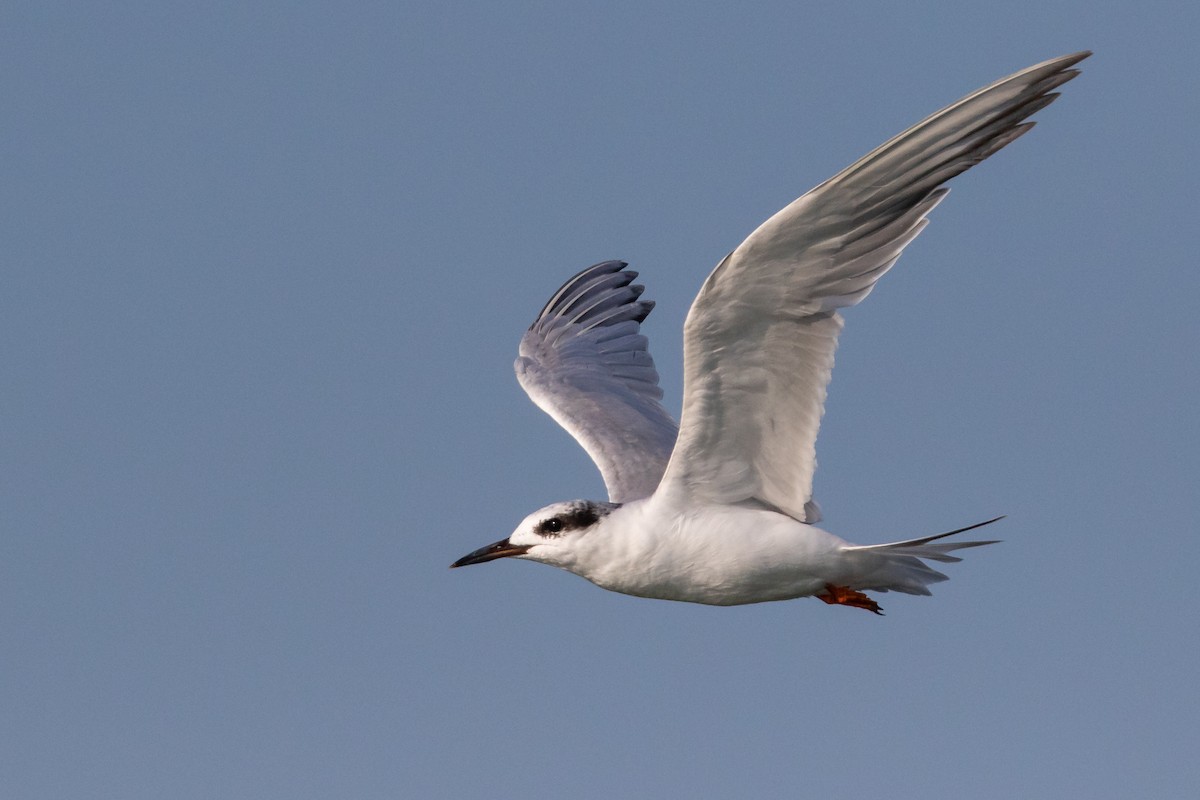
x=719 y=509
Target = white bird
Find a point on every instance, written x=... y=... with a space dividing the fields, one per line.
x=719 y=510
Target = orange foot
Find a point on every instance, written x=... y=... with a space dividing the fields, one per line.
x=844 y=596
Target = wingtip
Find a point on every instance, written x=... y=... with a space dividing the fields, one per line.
x=645 y=307
x=1062 y=63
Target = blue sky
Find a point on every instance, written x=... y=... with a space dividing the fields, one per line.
x=265 y=270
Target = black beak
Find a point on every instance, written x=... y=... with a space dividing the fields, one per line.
x=500 y=549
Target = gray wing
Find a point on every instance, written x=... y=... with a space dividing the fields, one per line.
x=760 y=336
x=585 y=363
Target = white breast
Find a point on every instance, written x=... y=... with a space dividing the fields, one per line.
x=719 y=555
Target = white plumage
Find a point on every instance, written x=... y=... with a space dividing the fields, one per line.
x=719 y=509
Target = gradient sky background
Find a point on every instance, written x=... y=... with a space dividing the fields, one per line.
x=265 y=269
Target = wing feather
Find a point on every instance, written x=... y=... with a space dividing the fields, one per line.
x=760 y=337
x=585 y=363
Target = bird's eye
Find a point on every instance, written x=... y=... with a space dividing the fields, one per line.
x=552 y=525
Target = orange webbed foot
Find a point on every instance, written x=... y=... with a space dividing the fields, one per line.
x=844 y=596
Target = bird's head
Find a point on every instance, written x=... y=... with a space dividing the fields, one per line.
x=551 y=535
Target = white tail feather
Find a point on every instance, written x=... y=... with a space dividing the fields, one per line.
x=896 y=566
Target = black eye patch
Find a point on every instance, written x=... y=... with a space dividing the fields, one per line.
x=581 y=516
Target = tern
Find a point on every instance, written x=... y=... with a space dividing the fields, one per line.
x=719 y=509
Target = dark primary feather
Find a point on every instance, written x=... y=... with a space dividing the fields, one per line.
x=585 y=362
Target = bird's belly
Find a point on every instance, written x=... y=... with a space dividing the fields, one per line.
x=722 y=591
x=751 y=557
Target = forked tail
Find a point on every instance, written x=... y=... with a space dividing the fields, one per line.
x=896 y=566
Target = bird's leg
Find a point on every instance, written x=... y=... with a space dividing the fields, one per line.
x=845 y=596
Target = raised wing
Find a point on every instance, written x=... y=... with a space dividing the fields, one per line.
x=584 y=363
x=760 y=337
